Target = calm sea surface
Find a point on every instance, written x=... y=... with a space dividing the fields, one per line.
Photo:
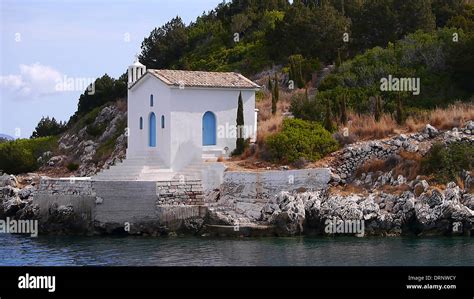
x=18 y=250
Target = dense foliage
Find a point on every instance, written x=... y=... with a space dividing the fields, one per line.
x=105 y=89
x=446 y=163
x=249 y=35
x=21 y=155
x=300 y=139
x=445 y=70
x=48 y=127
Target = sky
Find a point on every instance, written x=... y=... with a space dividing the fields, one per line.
x=51 y=49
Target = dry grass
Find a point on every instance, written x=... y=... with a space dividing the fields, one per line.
x=348 y=189
x=397 y=190
x=364 y=127
x=460 y=182
x=268 y=127
x=407 y=164
x=121 y=105
x=265 y=105
x=454 y=116
x=410 y=165
x=371 y=166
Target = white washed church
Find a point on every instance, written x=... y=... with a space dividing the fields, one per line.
x=184 y=116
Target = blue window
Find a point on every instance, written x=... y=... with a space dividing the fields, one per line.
x=141 y=123
x=151 y=100
x=209 y=128
x=162 y=121
x=152 y=138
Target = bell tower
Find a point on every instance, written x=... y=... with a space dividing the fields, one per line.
x=135 y=71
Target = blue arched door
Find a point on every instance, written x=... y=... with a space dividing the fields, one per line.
x=152 y=130
x=209 y=129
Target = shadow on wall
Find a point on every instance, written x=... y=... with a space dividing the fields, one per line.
x=186 y=153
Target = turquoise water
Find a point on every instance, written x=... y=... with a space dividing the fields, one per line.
x=18 y=250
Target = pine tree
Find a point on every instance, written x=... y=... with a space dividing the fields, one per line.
x=48 y=127
x=240 y=143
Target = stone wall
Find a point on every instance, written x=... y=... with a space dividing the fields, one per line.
x=354 y=155
x=84 y=205
x=189 y=192
x=72 y=186
x=248 y=192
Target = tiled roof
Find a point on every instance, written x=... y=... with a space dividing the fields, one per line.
x=203 y=79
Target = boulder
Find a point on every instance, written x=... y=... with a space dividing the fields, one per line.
x=8 y=180
x=430 y=131
x=286 y=212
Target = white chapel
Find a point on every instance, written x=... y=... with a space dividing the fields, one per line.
x=183 y=116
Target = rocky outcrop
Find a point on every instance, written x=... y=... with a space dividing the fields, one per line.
x=433 y=212
x=16 y=202
x=347 y=160
x=81 y=145
x=286 y=212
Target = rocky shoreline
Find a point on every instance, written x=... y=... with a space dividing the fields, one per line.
x=432 y=212
x=386 y=204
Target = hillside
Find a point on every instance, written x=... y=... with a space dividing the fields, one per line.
x=320 y=61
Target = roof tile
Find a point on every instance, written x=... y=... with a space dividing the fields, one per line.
x=203 y=79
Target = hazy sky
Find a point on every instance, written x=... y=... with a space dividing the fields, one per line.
x=46 y=42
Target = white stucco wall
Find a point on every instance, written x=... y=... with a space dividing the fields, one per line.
x=139 y=106
x=180 y=142
x=188 y=106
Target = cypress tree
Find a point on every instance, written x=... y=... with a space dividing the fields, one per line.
x=292 y=72
x=275 y=95
x=300 y=76
x=400 y=117
x=240 y=143
x=328 y=124
x=377 y=108
x=343 y=110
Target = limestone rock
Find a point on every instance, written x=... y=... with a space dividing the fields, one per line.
x=431 y=131
x=8 y=180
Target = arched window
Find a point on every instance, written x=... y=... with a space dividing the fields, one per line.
x=151 y=100
x=162 y=121
x=209 y=128
x=152 y=137
x=141 y=123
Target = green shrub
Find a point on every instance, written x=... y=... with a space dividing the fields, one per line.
x=96 y=130
x=300 y=139
x=106 y=149
x=445 y=163
x=20 y=156
x=48 y=127
x=73 y=166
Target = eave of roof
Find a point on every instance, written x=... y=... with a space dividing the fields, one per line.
x=244 y=82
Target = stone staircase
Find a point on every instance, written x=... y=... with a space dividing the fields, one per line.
x=193 y=171
x=136 y=169
x=211 y=155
